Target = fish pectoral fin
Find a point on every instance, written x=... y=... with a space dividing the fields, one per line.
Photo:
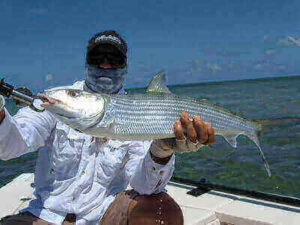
x=231 y=138
x=106 y=123
x=158 y=83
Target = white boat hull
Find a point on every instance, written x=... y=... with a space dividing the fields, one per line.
x=212 y=208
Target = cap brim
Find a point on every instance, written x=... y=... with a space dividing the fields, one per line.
x=96 y=45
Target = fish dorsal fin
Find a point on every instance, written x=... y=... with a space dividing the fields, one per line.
x=158 y=83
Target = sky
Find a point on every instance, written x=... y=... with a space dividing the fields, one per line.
x=43 y=42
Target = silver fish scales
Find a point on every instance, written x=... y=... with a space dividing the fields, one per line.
x=151 y=116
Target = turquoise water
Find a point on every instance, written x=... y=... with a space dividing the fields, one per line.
x=274 y=102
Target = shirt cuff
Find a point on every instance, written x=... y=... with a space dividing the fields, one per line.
x=151 y=177
x=5 y=125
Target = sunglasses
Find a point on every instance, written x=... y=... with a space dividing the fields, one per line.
x=113 y=57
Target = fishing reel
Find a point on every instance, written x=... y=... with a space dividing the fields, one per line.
x=22 y=96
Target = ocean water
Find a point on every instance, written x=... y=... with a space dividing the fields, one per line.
x=273 y=102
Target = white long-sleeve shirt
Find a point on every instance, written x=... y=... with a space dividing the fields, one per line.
x=76 y=173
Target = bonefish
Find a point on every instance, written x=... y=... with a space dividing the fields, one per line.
x=144 y=116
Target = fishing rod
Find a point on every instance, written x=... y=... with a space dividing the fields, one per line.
x=21 y=95
x=204 y=186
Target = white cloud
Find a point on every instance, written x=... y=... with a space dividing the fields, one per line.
x=281 y=67
x=213 y=67
x=196 y=65
x=258 y=66
x=270 y=51
x=48 y=77
x=233 y=67
x=289 y=41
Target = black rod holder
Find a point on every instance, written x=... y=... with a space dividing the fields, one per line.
x=204 y=186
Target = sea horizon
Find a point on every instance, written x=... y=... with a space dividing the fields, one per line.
x=224 y=81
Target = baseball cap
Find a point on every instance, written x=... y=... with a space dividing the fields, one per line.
x=110 y=37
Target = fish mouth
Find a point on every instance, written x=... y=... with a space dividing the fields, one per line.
x=74 y=117
x=60 y=109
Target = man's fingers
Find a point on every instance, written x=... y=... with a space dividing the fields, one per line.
x=200 y=129
x=211 y=133
x=46 y=99
x=45 y=104
x=191 y=132
x=41 y=95
x=178 y=130
x=197 y=122
x=188 y=125
x=184 y=119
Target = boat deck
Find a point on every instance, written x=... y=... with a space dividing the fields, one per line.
x=211 y=208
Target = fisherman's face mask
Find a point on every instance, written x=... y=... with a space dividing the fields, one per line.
x=108 y=81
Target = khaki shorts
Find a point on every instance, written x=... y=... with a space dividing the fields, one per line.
x=116 y=214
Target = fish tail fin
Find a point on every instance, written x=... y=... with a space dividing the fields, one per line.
x=231 y=137
x=254 y=138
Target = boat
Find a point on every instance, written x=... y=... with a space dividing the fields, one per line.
x=202 y=203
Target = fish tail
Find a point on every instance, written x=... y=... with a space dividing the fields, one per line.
x=258 y=127
x=254 y=138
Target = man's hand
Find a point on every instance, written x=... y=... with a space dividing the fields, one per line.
x=198 y=133
x=191 y=134
x=46 y=100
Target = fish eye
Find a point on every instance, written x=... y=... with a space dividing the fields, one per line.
x=72 y=93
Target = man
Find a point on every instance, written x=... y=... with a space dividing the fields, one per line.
x=80 y=178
